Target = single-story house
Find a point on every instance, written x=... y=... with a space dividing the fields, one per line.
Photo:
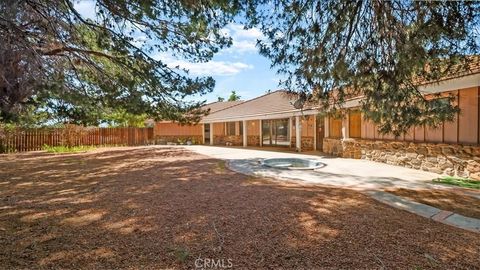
x=168 y=131
x=273 y=120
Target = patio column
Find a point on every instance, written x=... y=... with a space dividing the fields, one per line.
x=315 y=130
x=327 y=127
x=211 y=133
x=345 y=127
x=298 y=133
x=244 y=133
x=260 y=132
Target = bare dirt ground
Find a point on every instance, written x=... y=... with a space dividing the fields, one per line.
x=156 y=208
x=449 y=200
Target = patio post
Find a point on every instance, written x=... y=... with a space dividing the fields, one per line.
x=260 y=132
x=298 y=134
x=211 y=133
x=244 y=133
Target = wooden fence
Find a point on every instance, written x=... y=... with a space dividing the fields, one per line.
x=22 y=140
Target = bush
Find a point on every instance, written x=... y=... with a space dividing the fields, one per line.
x=67 y=149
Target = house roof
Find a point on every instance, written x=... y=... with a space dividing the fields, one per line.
x=220 y=105
x=456 y=71
x=276 y=102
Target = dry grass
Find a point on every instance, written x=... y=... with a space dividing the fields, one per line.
x=449 y=200
x=165 y=207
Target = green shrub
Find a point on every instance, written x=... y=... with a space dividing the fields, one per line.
x=67 y=149
x=458 y=181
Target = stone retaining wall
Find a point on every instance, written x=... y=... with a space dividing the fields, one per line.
x=307 y=143
x=448 y=159
x=164 y=139
x=235 y=140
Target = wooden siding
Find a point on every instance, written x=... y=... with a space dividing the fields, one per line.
x=465 y=129
x=355 y=124
x=253 y=128
x=175 y=129
x=335 y=127
x=468 y=119
x=308 y=128
x=219 y=128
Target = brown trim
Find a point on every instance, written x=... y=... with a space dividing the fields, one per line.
x=443 y=131
x=478 y=115
x=458 y=117
x=424 y=133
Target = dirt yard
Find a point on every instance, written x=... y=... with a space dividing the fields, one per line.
x=160 y=207
x=449 y=200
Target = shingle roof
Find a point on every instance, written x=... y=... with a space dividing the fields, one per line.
x=274 y=102
x=220 y=105
x=456 y=71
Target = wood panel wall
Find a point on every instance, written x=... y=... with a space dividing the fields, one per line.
x=23 y=140
x=253 y=127
x=465 y=129
x=175 y=129
x=218 y=128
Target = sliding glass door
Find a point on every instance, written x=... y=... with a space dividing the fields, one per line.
x=276 y=132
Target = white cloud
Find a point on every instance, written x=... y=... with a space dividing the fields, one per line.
x=238 y=31
x=243 y=40
x=211 y=68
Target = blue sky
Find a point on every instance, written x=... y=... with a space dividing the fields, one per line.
x=240 y=68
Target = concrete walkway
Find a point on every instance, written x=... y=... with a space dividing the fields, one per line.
x=427 y=211
x=366 y=176
x=347 y=173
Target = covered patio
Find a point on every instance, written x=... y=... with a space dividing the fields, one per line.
x=270 y=120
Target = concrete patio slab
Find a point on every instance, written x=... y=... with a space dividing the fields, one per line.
x=347 y=173
x=366 y=176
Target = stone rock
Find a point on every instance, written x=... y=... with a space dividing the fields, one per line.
x=444 y=158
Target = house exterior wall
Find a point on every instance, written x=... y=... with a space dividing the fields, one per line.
x=453 y=148
x=307 y=132
x=220 y=136
x=165 y=132
x=253 y=133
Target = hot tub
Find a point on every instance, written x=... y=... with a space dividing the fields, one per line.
x=292 y=163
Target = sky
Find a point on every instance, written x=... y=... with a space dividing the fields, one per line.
x=239 y=68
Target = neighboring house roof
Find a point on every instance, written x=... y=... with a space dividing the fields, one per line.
x=220 y=105
x=276 y=102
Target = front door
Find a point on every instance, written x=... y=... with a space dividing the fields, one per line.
x=320 y=129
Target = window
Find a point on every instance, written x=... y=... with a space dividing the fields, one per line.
x=355 y=124
x=240 y=126
x=335 y=127
x=230 y=130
